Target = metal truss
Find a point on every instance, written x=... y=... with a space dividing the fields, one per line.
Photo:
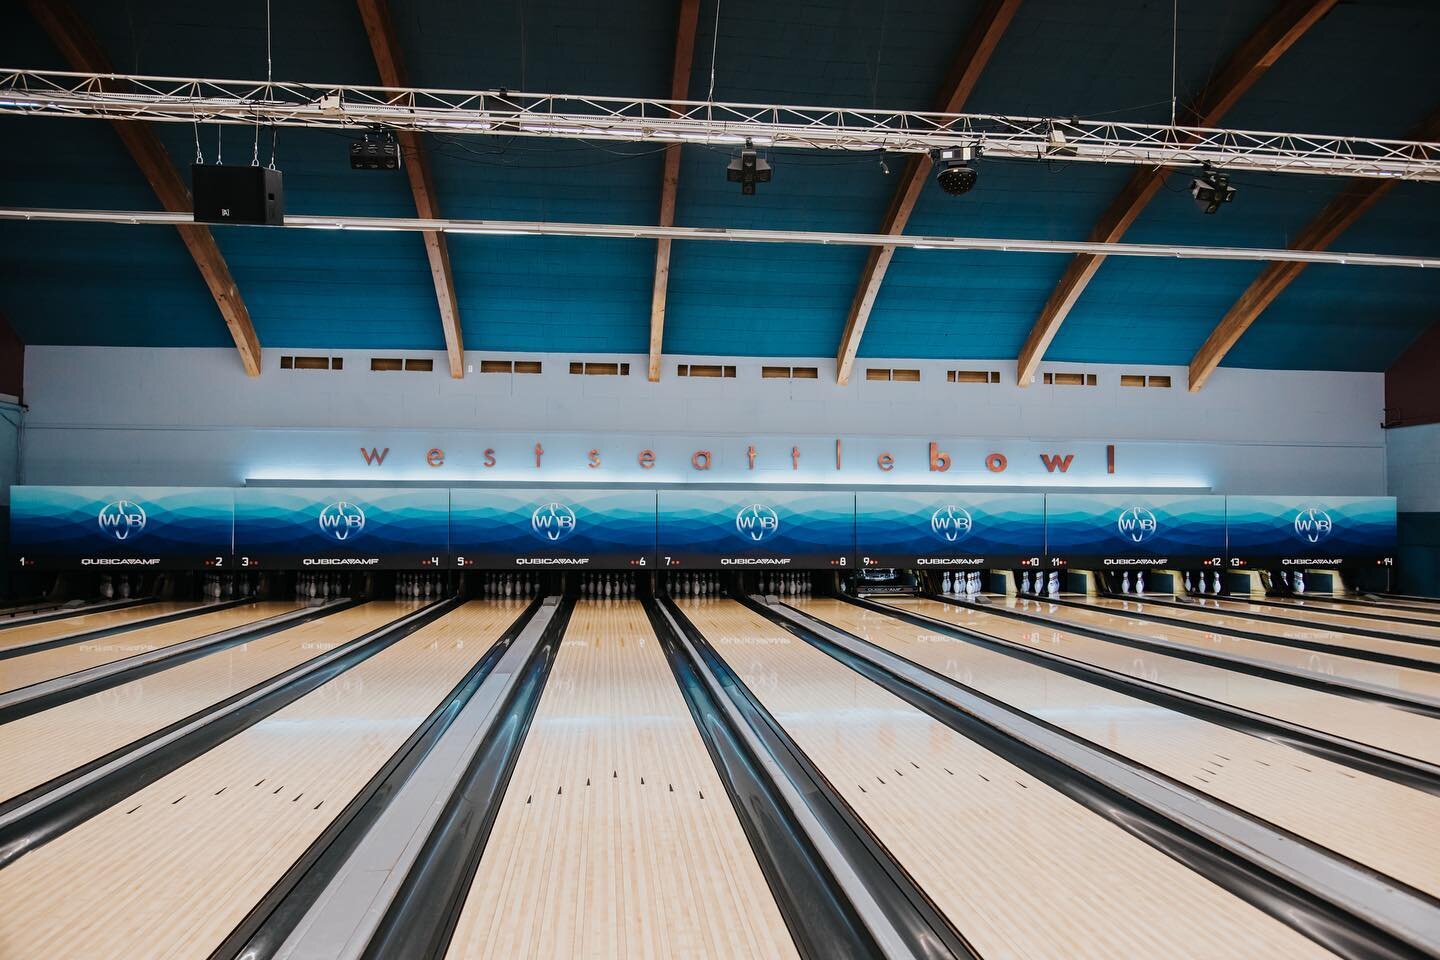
x=509 y=113
x=745 y=235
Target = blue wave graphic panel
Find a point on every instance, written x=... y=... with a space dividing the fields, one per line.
x=62 y=528
x=1135 y=529
x=756 y=528
x=1310 y=531
x=342 y=527
x=948 y=529
x=591 y=529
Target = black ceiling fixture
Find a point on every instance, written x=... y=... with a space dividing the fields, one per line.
x=375 y=151
x=956 y=174
x=748 y=169
x=1211 y=189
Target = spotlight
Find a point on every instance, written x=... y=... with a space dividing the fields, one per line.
x=884 y=167
x=1211 y=189
x=748 y=169
x=956 y=175
x=375 y=151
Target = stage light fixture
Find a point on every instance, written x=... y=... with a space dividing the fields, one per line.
x=748 y=169
x=956 y=174
x=375 y=151
x=1211 y=189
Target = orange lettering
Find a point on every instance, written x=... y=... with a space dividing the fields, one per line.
x=374 y=458
x=996 y=463
x=939 y=461
x=539 y=452
x=594 y=459
x=1052 y=461
x=435 y=457
x=647 y=459
x=794 y=458
x=700 y=460
x=750 y=452
x=490 y=456
x=885 y=462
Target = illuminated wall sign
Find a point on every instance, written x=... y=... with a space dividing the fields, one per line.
x=552 y=529
x=1271 y=532
x=750 y=529
x=334 y=529
x=949 y=531
x=120 y=528
x=1124 y=531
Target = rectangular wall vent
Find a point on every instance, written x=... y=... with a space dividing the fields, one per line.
x=510 y=366
x=705 y=370
x=589 y=369
x=789 y=373
x=972 y=376
x=1141 y=380
x=312 y=363
x=1071 y=379
x=896 y=375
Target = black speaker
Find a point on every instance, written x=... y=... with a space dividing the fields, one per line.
x=238 y=194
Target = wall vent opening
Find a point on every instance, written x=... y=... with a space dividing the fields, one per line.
x=312 y=363
x=896 y=375
x=589 y=369
x=972 y=376
x=1071 y=379
x=705 y=370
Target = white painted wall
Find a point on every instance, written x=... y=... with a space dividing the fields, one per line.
x=190 y=416
x=1413 y=458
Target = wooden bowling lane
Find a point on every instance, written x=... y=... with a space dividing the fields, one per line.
x=47 y=744
x=1310 y=618
x=1382 y=726
x=1374 y=821
x=1020 y=869
x=19 y=635
x=173 y=868
x=616 y=838
x=1121 y=616
x=1359 y=610
x=29 y=668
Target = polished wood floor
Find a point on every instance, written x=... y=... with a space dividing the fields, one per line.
x=22 y=671
x=1374 y=821
x=1021 y=869
x=44 y=745
x=1340 y=616
x=172 y=869
x=616 y=838
x=18 y=635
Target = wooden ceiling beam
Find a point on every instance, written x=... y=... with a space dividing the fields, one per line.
x=1287 y=23
x=670 y=181
x=970 y=61
x=80 y=49
x=1359 y=195
x=385 y=47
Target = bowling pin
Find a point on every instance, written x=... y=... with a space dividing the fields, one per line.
x=1140 y=582
x=1054 y=583
x=1125 y=583
x=1025 y=582
x=1298 y=581
x=1217 y=582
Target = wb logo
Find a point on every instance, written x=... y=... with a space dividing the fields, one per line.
x=122 y=518
x=1313 y=525
x=757 y=523
x=1136 y=524
x=552 y=522
x=343 y=520
x=951 y=523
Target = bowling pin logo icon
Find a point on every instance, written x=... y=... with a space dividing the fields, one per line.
x=552 y=522
x=343 y=520
x=1136 y=524
x=756 y=523
x=951 y=524
x=122 y=519
x=1313 y=525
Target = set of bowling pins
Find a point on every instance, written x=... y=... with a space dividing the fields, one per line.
x=508 y=584
x=606 y=585
x=322 y=586
x=220 y=586
x=692 y=584
x=784 y=584
x=963 y=583
x=1138 y=587
x=123 y=587
x=1294 y=581
x=419 y=585
x=1199 y=586
x=1041 y=585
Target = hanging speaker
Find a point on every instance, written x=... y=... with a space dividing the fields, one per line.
x=236 y=194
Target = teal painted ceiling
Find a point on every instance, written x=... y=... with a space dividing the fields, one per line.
x=1368 y=68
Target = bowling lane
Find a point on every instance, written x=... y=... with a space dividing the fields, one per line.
x=30 y=668
x=1313 y=616
x=1382 y=824
x=1121 y=616
x=173 y=868
x=21 y=634
x=1359 y=610
x=593 y=854
x=47 y=744
x=1387 y=727
x=1020 y=869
